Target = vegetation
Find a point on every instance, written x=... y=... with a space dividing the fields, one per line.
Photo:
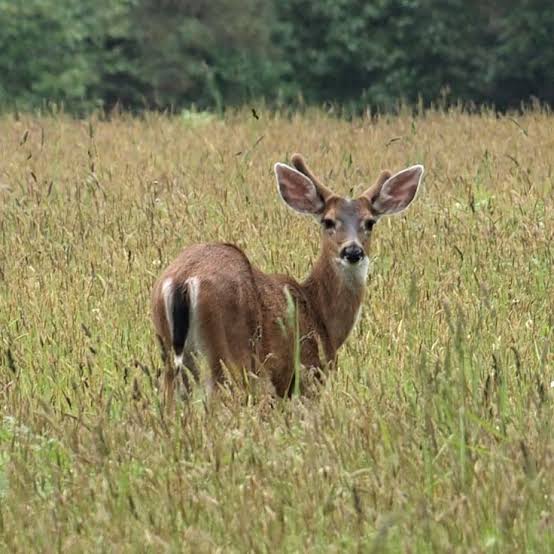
x=172 y=54
x=435 y=432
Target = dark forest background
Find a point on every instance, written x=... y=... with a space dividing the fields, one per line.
x=214 y=54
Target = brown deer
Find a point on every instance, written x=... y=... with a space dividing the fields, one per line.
x=212 y=303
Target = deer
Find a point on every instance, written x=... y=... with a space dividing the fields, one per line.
x=211 y=303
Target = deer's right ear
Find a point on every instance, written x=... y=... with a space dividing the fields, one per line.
x=393 y=194
x=298 y=191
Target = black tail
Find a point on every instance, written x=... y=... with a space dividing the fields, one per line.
x=180 y=319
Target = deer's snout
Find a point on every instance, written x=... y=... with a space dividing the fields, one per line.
x=352 y=253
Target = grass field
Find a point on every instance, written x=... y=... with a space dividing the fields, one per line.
x=434 y=434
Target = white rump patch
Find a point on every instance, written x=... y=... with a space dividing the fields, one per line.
x=167 y=294
x=192 y=343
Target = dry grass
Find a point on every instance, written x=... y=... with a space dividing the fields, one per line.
x=435 y=434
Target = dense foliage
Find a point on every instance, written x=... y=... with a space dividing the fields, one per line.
x=169 y=54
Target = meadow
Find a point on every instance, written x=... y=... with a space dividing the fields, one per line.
x=434 y=434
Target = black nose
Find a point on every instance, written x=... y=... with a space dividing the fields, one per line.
x=352 y=253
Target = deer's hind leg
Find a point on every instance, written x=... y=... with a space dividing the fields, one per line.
x=229 y=351
x=186 y=368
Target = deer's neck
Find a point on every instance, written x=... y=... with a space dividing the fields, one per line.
x=335 y=292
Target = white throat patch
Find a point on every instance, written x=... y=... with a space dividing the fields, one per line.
x=356 y=274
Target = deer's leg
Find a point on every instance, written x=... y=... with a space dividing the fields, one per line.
x=187 y=369
x=168 y=378
x=226 y=330
x=225 y=349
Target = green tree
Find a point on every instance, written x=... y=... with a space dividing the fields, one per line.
x=524 y=64
x=160 y=54
x=207 y=53
x=42 y=53
x=67 y=51
x=383 y=51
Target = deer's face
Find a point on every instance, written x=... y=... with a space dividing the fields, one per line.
x=346 y=229
x=346 y=224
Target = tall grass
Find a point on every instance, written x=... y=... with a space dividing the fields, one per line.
x=433 y=435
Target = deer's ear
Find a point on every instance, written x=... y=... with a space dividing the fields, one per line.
x=298 y=191
x=394 y=194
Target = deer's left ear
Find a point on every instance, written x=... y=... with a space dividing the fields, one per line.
x=393 y=195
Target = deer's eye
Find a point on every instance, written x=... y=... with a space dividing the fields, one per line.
x=368 y=224
x=328 y=224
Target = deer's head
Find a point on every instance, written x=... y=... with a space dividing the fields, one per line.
x=346 y=224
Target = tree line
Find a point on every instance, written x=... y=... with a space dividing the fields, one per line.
x=212 y=54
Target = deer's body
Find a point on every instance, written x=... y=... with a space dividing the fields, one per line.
x=212 y=303
x=238 y=314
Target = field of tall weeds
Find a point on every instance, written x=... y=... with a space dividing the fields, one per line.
x=434 y=434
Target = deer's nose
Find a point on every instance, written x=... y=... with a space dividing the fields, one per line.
x=352 y=253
